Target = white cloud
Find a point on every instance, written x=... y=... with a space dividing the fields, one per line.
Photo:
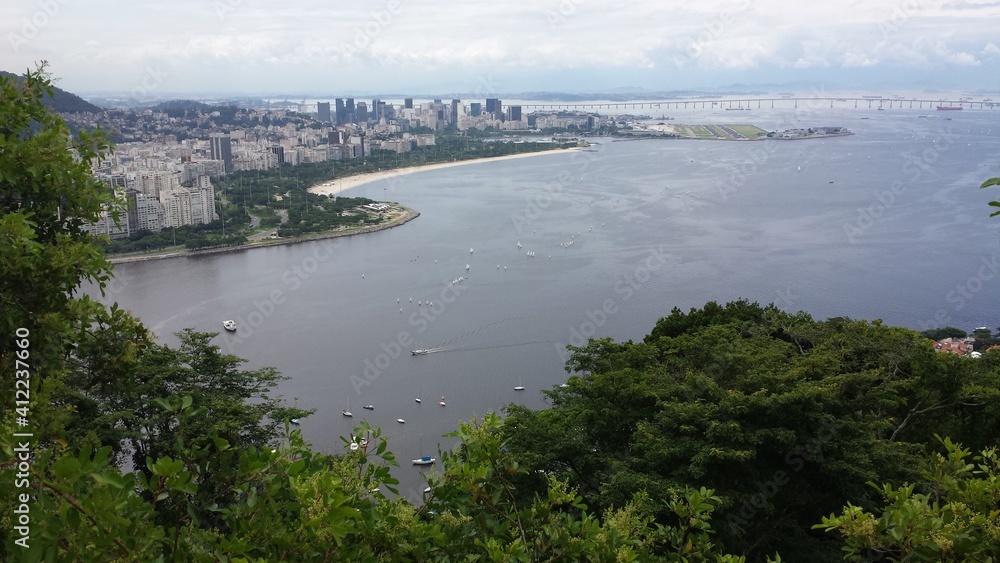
x=313 y=43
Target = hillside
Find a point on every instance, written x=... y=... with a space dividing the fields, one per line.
x=63 y=101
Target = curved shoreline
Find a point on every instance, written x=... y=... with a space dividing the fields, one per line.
x=406 y=217
x=338 y=185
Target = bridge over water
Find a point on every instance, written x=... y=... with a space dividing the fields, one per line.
x=868 y=102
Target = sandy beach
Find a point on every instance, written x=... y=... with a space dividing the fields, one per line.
x=340 y=185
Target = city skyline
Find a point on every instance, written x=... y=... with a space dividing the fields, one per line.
x=246 y=47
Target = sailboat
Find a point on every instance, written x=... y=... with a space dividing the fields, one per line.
x=424 y=459
x=347 y=412
x=441 y=402
x=519 y=387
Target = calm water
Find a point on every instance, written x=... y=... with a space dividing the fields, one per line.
x=653 y=225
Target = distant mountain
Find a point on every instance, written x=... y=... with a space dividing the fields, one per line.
x=181 y=104
x=63 y=101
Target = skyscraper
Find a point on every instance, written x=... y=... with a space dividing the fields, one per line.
x=350 y=111
x=221 y=147
x=341 y=112
x=475 y=108
x=514 y=113
x=454 y=112
x=362 y=112
x=323 y=111
x=408 y=103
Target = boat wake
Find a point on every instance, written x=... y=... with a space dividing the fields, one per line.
x=475 y=347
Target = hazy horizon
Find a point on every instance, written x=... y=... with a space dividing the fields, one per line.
x=247 y=47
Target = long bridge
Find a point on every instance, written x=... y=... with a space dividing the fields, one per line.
x=870 y=102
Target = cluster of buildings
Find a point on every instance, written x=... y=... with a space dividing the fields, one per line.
x=961 y=346
x=165 y=179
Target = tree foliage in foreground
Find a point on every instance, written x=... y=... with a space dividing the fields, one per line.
x=787 y=419
x=951 y=514
x=729 y=430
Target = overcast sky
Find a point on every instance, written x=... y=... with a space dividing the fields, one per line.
x=312 y=47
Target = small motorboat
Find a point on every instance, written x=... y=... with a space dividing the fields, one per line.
x=418 y=399
x=229 y=325
x=293 y=420
x=401 y=421
x=368 y=407
x=426 y=460
x=418 y=352
x=347 y=413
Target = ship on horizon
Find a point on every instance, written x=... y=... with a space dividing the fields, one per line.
x=949 y=108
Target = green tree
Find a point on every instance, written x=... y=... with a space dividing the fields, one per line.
x=784 y=417
x=951 y=514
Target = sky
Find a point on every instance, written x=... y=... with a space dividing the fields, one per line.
x=150 y=49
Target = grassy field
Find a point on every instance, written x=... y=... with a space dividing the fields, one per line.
x=748 y=131
x=696 y=131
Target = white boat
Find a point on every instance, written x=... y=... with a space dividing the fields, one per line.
x=425 y=460
x=519 y=387
x=347 y=412
x=401 y=421
x=293 y=420
x=419 y=352
x=441 y=402
x=418 y=399
x=369 y=407
x=229 y=325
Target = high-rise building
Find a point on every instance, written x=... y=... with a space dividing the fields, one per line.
x=145 y=213
x=454 y=111
x=514 y=113
x=222 y=149
x=408 y=103
x=351 y=117
x=279 y=151
x=341 y=112
x=491 y=105
x=475 y=108
x=362 y=112
x=323 y=111
x=498 y=111
x=195 y=206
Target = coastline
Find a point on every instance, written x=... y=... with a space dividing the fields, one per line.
x=407 y=216
x=339 y=185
